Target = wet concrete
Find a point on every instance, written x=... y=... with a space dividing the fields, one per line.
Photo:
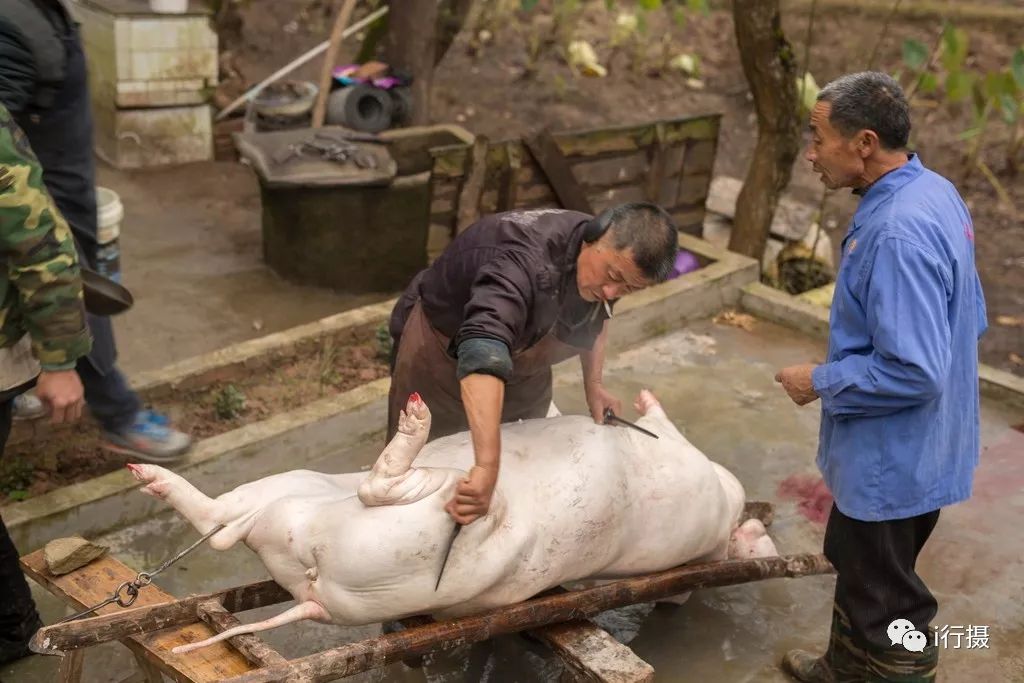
x=191 y=253
x=717 y=385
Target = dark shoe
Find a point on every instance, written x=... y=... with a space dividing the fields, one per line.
x=15 y=645
x=806 y=668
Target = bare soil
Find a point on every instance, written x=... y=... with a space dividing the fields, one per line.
x=71 y=454
x=492 y=87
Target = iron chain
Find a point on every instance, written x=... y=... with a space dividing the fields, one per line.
x=131 y=588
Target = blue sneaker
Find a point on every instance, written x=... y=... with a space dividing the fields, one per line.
x=150 y=439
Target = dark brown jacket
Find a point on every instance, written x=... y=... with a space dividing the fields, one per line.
x=510 y=277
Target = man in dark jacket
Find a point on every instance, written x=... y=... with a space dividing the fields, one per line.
x=43 y=84
x=42 y=335
x=477 y=332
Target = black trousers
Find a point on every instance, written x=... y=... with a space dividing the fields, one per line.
x=876 y=579
x=17 y=607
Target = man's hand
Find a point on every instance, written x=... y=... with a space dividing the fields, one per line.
x=62 y=392
x=796 y=380
x=473 y=495
x=599 y=398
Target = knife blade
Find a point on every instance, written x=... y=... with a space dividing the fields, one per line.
x=610 y=416
x=444 y=562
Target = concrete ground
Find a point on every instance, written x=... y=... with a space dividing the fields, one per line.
x=193 y=261
x=716 y=383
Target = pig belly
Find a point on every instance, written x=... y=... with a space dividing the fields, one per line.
x=362 y=564
x=586 y=501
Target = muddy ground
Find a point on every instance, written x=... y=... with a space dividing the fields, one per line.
x=491 y=88
x=72 y=453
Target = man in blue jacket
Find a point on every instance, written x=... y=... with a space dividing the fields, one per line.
x=899 y=390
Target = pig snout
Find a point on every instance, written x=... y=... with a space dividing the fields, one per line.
x=750 y=540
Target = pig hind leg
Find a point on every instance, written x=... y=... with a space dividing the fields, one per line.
x=200 y=510
x=193 y=504
x=302 y=611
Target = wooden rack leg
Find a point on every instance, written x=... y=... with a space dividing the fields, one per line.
x=146 y=673
x=70 y=669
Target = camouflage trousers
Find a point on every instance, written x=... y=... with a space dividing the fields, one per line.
x=853 y=661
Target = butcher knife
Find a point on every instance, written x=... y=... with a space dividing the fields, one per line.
x=610 y=416
x=451 y=542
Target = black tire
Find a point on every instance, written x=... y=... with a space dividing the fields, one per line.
x=401 y=96
x=360 y=107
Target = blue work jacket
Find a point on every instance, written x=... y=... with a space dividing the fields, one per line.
x=899 y=391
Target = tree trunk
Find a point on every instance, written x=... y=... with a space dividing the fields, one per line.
x=451 y=17
x=411 y=47
x=770 y=69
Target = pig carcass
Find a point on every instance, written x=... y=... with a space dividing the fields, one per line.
x=574 y=500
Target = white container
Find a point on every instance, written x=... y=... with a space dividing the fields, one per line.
x=109 y=214
x=169 y=6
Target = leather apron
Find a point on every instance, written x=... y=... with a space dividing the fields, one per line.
x=422 y=365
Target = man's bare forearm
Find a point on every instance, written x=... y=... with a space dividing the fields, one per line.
x=482 y=398
x=592 y=361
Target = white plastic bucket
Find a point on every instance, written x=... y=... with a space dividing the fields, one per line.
x=169 y=6
x=109 y=214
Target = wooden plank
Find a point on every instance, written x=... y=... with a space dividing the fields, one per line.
x=534 y=195
x=449 y=161
x=603 y=141
x=630 y=138
x=697 y=128
x=354 y=658
x=756 y=509
x=591 y=654
x=330 y=60
x=656 y=171
x=618 y=195
x=509 y=189
x=94 y=582
x=254 y=649
x=106 y=628
x=549 y=157
x=468 y=209
x=70 y=668
x=147 y=673
x=621 y=169
x=700 y=157
x=693 y=189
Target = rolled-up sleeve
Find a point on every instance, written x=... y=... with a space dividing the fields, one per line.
x=500 y=301
x=906 y=306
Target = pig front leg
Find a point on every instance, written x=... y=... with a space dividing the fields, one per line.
x=654 y=417
x=393 y=480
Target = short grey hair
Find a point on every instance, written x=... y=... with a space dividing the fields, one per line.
x=650 y=232
x=869 y=100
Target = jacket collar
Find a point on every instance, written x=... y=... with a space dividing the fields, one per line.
x=879 y=191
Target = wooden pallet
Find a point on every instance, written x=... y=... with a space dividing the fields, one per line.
x=159 y=622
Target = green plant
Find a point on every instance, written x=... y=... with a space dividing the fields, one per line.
x=384 y=342
x=988 y=95
x=229 y=402
x=15 y=477
x=326 y=372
